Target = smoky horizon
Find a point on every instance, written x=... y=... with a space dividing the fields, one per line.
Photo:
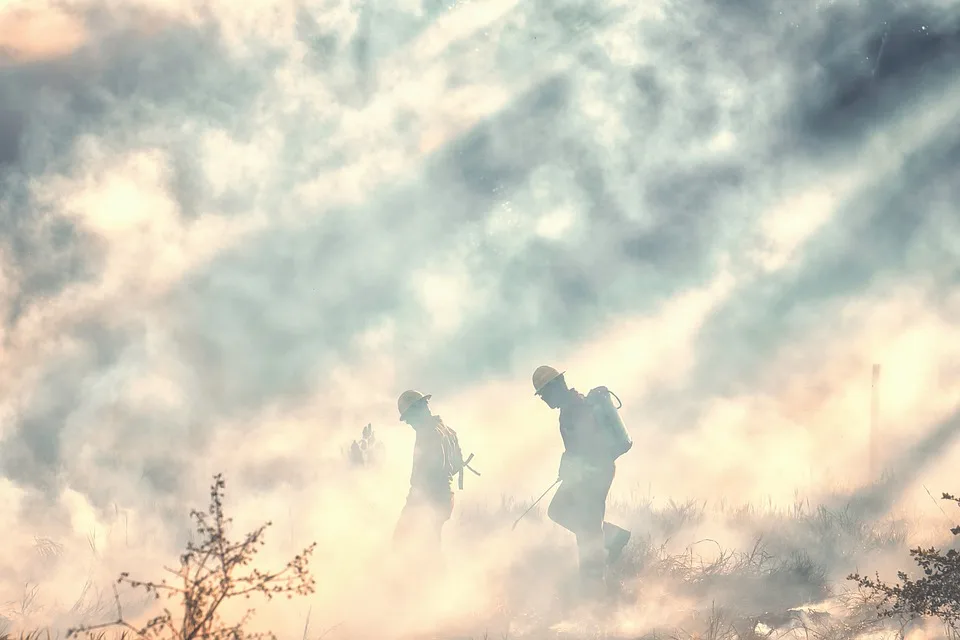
x=233 y=236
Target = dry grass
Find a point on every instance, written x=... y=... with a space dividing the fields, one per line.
x=756 y=592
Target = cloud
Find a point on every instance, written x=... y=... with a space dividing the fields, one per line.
x=31 y=35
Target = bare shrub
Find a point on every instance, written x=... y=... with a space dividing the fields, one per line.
x=212 y=571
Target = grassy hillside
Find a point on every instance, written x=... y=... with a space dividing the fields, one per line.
x=692 y=570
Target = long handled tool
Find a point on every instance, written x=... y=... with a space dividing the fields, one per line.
x=536 y=502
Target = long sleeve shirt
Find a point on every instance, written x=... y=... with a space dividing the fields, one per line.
x=431 y=475
x=578 y=429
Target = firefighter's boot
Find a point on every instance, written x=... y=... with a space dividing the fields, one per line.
x=592 y=568
x=614 y=540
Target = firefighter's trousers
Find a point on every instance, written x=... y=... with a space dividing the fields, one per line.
x=419 y=528
x=580 y=506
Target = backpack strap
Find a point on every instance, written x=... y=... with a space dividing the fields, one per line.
x=451 y=436
x=465 y=465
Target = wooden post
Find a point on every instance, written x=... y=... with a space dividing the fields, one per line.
x=874 y=426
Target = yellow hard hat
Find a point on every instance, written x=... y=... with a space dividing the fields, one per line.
x=409 y=398
x=543 y=376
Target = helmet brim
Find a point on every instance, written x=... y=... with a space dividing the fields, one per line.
x=549 y=382
x=407 y=410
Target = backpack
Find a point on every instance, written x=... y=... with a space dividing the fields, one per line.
x=609 y=424
x=453 y=455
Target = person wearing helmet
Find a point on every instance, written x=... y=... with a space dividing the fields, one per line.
x=586 y=474
x=437 y=458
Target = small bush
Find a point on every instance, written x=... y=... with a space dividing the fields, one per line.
x=209 y=575
x=936 y=594
x=366 y=451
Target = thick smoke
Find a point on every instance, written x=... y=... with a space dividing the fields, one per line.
x=231 y=236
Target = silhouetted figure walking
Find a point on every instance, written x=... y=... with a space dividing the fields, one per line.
x=593 y=438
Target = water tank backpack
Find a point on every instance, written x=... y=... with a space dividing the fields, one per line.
x=609 y=423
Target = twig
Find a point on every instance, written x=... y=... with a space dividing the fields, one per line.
x=324 y=634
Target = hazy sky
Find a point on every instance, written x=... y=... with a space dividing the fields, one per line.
x=233 y=236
